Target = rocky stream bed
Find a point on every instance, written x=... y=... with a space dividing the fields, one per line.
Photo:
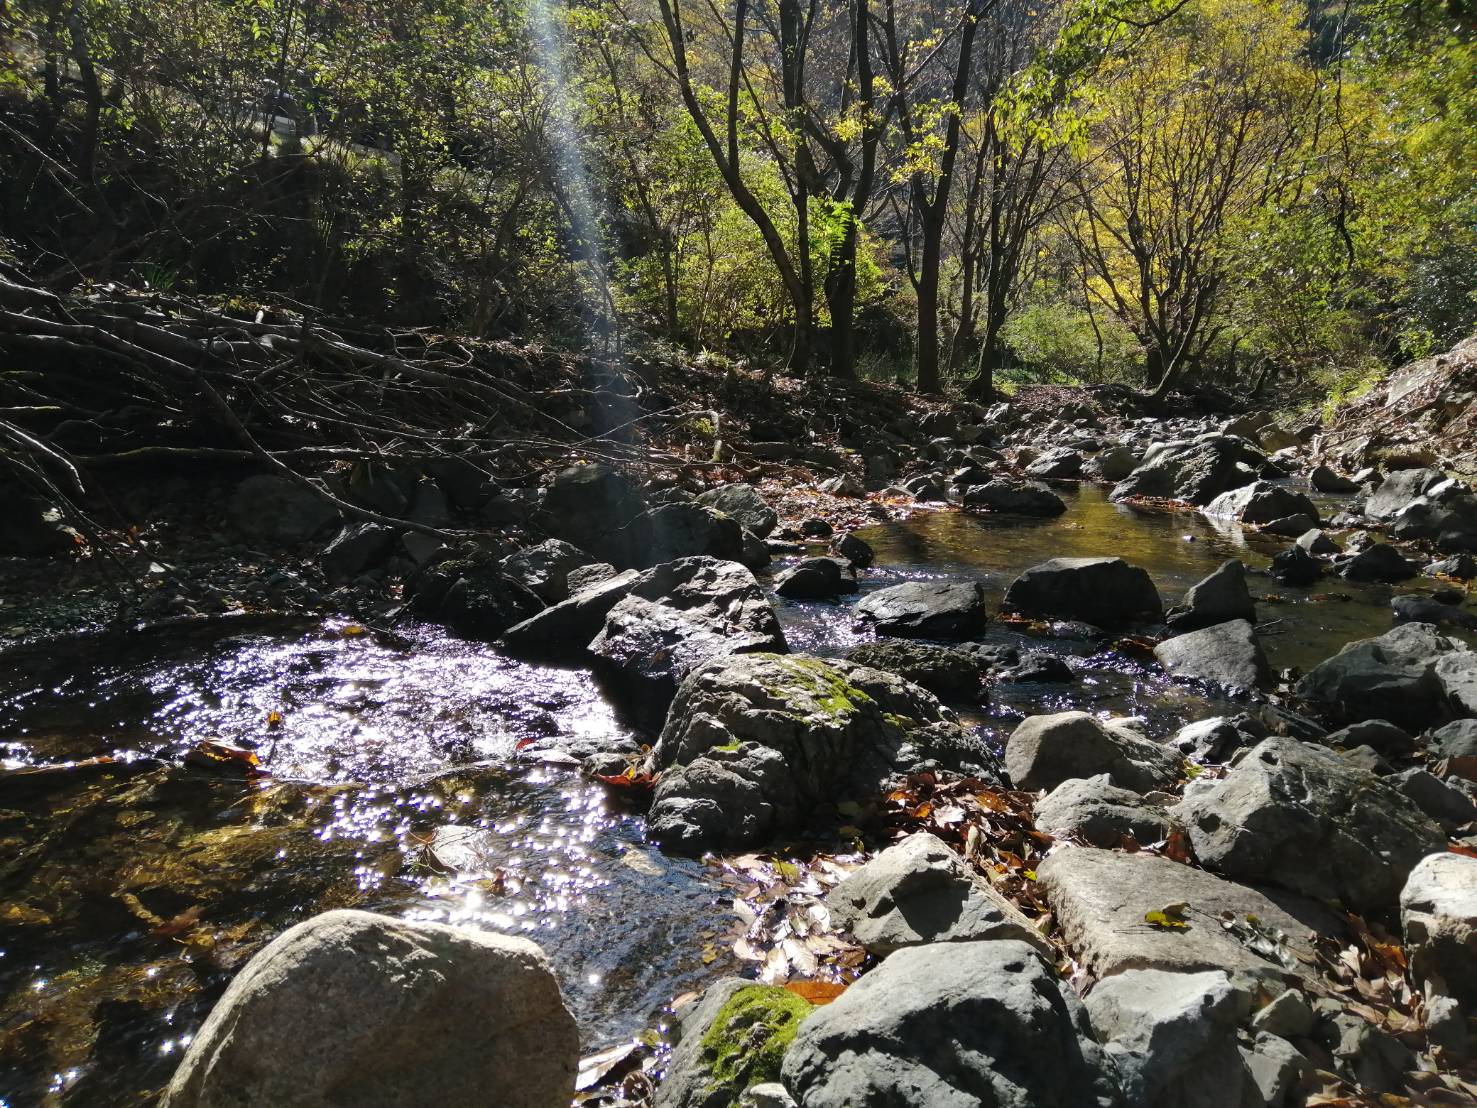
x=1174 y=750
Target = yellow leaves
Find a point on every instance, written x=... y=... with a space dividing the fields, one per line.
x=1169 y=918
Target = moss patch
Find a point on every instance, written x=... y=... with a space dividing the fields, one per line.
x=748 y=1038
x=832 y=692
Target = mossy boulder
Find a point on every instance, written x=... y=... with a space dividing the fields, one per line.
x=757 y=743
x=732 y=1039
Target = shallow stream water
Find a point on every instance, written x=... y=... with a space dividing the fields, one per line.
x=132 y=888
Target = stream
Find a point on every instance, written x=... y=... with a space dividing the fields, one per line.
x=133 y=887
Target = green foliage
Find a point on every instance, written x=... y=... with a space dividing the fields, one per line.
x=1056 y=342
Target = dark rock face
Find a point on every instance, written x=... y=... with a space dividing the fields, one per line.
x=1262 y=502
x=1325 y=479
x=563 y=632
x=947 y=1024
x=856 y=551
x=473 y=599
x=675 y=617
x=926 y=610
x=1295 y=566
x=745 y=504
x=1026 y=498
x=1220 y=598
x=1107 y=592
x=755 y=743
x=1227 y=654
x=1377 y=562
x=1196 y=472
x=1389 y=677
x=358 y=547
x=1059 y=463
x=1296 y=815
x=682 y=530
x=815 y=579
x=544 y=568
x=943 y=671
x=588 y=506
x=27 y=532
x=273 y=509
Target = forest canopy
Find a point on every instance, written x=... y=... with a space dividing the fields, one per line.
x=961 y=195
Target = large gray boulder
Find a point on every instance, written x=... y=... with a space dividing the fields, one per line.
x=745 y=504
x=1101 y=897
x=1399 y=490
x=675 y=617
x=1043 y=751
x=948 y=1026
x=273 y=509
x=1296 y=815
x=1096 y=811
x=755 y=743
x=1227 y=654
x=1219 y=598
x=1438 y=914
x=1261 y=502
x=926 y=610
x=355 y=1008
x=1197 y=471
x=731 y=1040
x=1172 y=1036
x=921 y=891
x=1390 y=677
x=1107 y=592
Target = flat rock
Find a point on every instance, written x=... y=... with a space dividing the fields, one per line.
x=563 y=632
x=1227 y=654
x=921 y=891
x=1101 y=897
x=1107 y=592
x=942 y=670
x=926 y=610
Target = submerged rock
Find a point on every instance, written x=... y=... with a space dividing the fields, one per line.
x=1296 y=815
x=755 y=743
x=920 y=891
x=361 y=1009
x=926 y=610
x=951 y=1024
x=1107 y=592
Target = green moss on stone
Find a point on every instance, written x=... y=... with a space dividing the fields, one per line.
x=827 y=687
x=747 y=1040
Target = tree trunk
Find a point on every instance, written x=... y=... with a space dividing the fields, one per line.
x=927 y=360
x=841 y=300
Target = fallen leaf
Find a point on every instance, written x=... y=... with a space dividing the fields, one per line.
x=816 y=992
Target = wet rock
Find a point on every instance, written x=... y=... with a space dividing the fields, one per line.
x=1098 y=812
x=732 y=1040
x=950 y=1024
x=1060 y=463
x=926 y=610
x=589 y=506
x=1227 y=654
x=920 y=891
x=942 y=670
x=1107 y=592
x=356 y=548
x=1100 y=898
x=273 y=509
x=755 y=743
x=355 y=1008
x=1043 y=751
x=1295 y=566
x=1039 y=666
x=1172 y=1036
x=1219 y=598
x=1025 y=498
x=815 y=579
x=1388 y=677
x=1316 y=541
x=1438 y=914
x=563 y=632
x=544 y=568
x=754 y=551
x=472 y=598
x=1262 y=502
x=1324 y=479
x=676 y=616
x=1425 y=609
x=856 y=551
x=1377 y=562
x=1296 y=815
x=745 y=504
x=1290 y=526
x=1443 y=802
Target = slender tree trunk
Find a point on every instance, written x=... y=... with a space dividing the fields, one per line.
x=841 y=300
x=92 y=90
x=927 y=359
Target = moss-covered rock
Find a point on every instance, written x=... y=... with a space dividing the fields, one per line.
x=734 y=1038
